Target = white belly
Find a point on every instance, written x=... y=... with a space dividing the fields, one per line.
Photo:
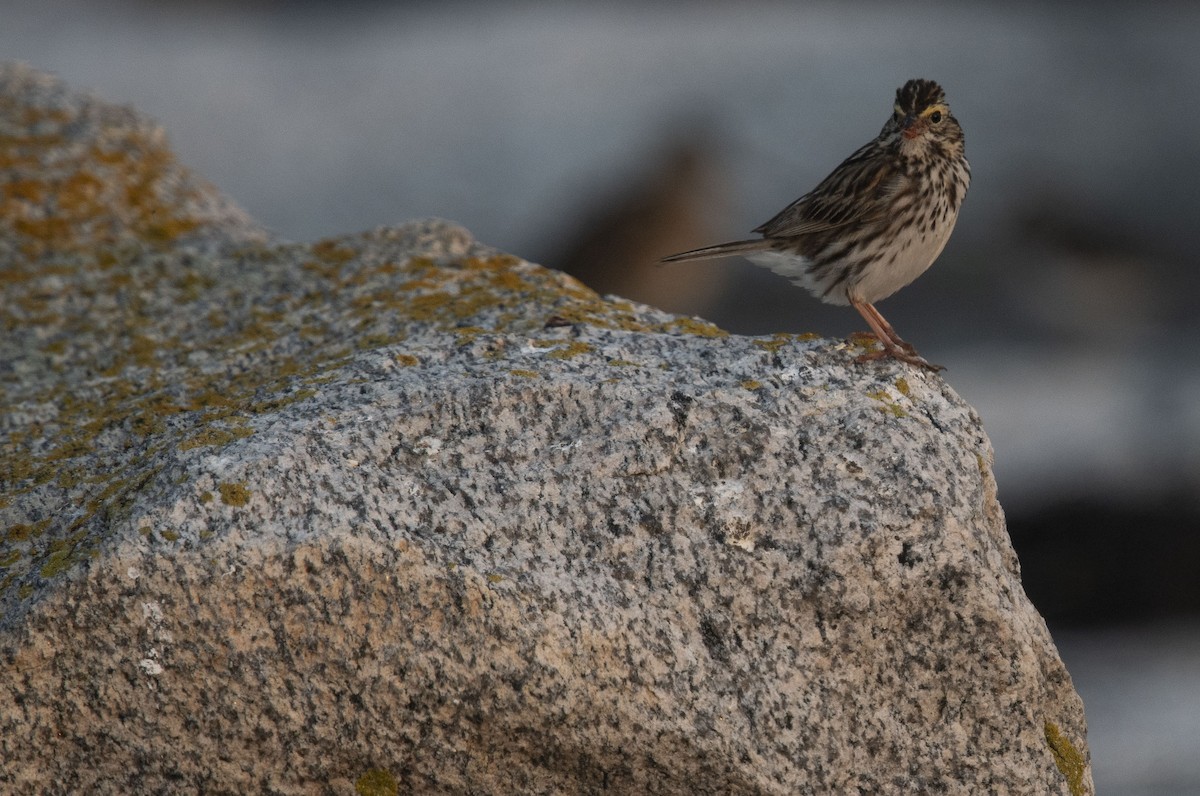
x=914 y=251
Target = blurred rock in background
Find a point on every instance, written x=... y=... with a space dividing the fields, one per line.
x=669 y=202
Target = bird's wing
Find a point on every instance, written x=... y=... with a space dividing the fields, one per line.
x=860 y=189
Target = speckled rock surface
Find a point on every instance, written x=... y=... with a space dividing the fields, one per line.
x=398 y=513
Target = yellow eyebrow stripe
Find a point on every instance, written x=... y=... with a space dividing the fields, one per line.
x=934 y=109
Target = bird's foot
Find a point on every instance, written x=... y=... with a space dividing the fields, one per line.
x=900 y=350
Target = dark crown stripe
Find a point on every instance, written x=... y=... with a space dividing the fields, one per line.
x=917 y=95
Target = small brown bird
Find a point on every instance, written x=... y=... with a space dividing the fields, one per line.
x=877 y=222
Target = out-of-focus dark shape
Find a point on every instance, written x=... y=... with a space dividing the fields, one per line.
x=1087 y=276
x=1085 y=562
x=670 y=205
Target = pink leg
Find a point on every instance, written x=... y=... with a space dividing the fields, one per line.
x=893 y=346
x=887 y=328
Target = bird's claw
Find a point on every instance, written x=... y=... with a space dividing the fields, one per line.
x=904 y=353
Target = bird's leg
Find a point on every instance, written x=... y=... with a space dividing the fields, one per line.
x=887 y=328
x=893 y=346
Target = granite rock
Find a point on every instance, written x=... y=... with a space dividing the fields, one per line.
x=396 y=512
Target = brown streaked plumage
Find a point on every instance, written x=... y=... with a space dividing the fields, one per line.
x=877 y=222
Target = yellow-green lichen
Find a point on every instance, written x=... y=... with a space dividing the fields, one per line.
x=146 y=425
x=467 y=334
x=903 y=388
x=234 y=494
x=209 y=398
x=751 y=384
x=133 y=176
x=889 y=403
x=697 y=327
x=779 y=339
x=525 y=374
x=276 y=403
x=451 y=295
x=71 y=448
x=1067 y=758
x=570 y=351
x=70 y=476
x=333 y=251
x=63 y=553
x=407 y=360
x=170 y=536
x=776 y=342
x=214 y=437
x=864 y=341
x=376 y=782
x=18 y=532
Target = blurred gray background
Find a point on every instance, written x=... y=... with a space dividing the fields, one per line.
x=596 y=137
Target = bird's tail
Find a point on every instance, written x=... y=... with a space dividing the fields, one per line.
x=720 y=250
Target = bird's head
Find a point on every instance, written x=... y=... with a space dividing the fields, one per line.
x=920 y=113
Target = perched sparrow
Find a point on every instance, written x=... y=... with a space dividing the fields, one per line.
x=877 y=222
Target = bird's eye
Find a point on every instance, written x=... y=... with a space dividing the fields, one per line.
x=935 y=117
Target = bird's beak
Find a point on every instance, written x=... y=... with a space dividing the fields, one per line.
x=912 y=126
